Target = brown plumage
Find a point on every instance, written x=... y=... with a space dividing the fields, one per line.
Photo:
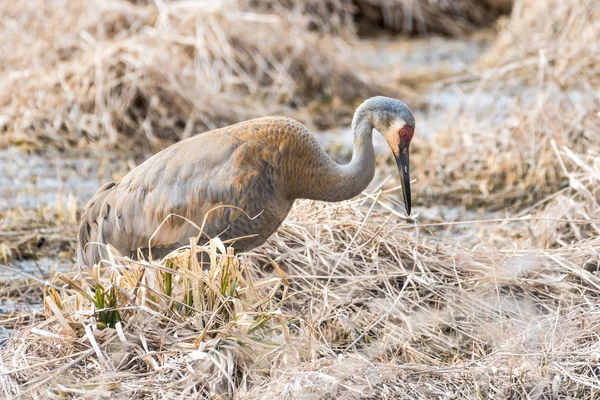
x=258 y=167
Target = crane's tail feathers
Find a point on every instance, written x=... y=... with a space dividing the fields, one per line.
x=90 y=236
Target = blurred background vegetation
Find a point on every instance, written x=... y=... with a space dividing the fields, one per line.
x=498 y=275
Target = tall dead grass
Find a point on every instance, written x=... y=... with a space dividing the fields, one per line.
x=453 y=18
x=543 y=98
x=503 y=305
x=159 y=72
x=375 y=306
x=123 y=73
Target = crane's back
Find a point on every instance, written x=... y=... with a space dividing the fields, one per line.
x=233 y=182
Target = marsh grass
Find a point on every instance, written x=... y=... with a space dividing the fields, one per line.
x=145 y=74
x=375 y=304
x=353 y=300
x=174 y=312
x=119 y=73
x=452 y=18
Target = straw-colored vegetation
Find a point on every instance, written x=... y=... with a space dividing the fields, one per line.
x=445 y=17
x=155 y=73
x=346 y=300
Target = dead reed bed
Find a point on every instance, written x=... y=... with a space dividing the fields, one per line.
x=150 y=73
x=368 y=17
x=547 y=42
x=352 y=300
x=540 y=80
x=369 y=305
x=452 y=18
x=158 y=72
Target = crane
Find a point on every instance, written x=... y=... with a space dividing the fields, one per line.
x=239 y=181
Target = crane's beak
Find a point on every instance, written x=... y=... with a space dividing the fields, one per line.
x=404 y=169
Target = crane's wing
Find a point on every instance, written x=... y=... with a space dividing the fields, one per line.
x=187 y=179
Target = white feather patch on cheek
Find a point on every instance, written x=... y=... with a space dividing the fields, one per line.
x=391 y=135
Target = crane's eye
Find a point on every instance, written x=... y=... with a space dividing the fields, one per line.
x=406 y=133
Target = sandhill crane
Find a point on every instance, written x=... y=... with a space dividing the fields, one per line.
x=259 y=166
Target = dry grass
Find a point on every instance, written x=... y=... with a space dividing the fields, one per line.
x=367 y=17
x=150 y=73
x=542 y=98
x=375 y=304
x=156 y=73
x=453 y=18
x=500 y=303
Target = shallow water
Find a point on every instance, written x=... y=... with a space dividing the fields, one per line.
x=29 y=180
x=41 y=269
x=436 y=54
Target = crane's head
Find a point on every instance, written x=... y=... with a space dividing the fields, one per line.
x=394 y=120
